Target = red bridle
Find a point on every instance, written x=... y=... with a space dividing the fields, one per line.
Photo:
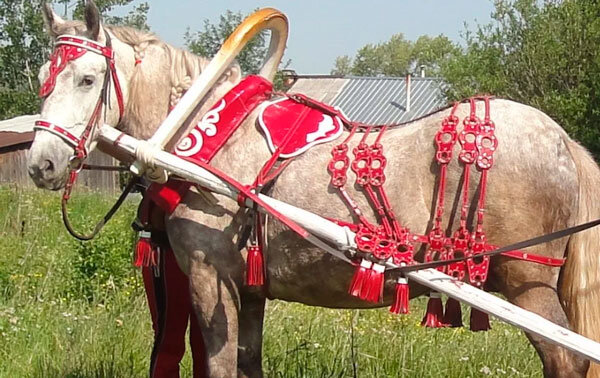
x=69 y=48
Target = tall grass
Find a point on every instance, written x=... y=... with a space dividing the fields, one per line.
x=72 y=309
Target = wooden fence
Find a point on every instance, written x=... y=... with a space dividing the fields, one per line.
x=13 y=169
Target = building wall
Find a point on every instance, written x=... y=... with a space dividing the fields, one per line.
x=13 y=169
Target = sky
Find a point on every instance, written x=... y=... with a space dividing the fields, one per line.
x=322 y=30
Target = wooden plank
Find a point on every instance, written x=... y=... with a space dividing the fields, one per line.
x=9 y=138
x=343 y=238
x=13 y=169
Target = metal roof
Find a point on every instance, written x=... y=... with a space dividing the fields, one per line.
x=375 y=100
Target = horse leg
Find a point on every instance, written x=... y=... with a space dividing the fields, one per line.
x=250 y=335
x=202 y=237
x=534 y=288
x=215 y=304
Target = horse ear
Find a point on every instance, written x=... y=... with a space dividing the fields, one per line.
x=92 y=20
x=52 y=20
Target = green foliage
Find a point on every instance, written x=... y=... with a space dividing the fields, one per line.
x=208 y=41
x=342 y=66
x=103 y=265
x=23 y=44
x=50 y=329
x=31 y=228
x=397 y=57
x=136 y=17
x=544 y=54
x=14 y=102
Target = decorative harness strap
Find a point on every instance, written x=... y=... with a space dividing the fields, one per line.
x=378 y=244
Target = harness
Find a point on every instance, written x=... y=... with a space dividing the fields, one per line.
x=69 y=48
x=465 y=254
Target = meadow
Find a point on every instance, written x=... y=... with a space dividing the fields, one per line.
x=74 y=309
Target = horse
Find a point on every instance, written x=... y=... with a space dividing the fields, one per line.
x=542 y=181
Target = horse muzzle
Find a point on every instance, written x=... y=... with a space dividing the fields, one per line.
x=47 y=172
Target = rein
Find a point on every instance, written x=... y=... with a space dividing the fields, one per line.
x=70 y=48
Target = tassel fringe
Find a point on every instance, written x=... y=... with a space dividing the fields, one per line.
x=373 y=290
x=145 y=251
x=359 y=278
x=402 y=298
x=479 y=321
x=453 y=313
x=433 y=316
x=254 y=266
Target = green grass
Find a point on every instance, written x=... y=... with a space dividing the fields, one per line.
x=71 y=309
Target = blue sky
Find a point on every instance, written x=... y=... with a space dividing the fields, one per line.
x=322 y=30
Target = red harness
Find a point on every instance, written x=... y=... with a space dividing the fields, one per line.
x=377 y=244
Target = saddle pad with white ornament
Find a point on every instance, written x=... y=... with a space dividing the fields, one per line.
x=295 y=127
x=211 y=133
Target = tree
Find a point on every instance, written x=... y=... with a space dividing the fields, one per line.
x=342 y=66
x=24 y=47
x=208 y=41
x=544 y=54
x=397 y=57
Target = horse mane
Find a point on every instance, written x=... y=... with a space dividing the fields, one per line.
x=182 y=68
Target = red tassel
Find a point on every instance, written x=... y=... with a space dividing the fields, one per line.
x=479 y=321
x=360 y=275
x=144 y=251
x=453 y=313
x=372 y=289
x=433 y=316
x=400 y=305
x=254 y=266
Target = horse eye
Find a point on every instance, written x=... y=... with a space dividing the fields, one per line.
x=87 y=81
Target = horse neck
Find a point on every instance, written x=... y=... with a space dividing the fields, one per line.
x=149 y=91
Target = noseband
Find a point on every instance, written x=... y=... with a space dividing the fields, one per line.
x=69 y=48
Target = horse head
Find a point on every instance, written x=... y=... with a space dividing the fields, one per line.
x=84 y=84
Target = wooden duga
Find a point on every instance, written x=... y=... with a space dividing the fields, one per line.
x=541 y=181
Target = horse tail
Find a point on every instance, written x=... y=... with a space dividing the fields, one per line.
x=580 y=277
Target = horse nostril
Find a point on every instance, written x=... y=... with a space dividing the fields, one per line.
x=47 y=166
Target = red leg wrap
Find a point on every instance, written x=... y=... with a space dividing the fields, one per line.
x=435 y=312
x=453 y=313
x=170 y=306
x=400 y=305
x=255 y=266
x=480 y=321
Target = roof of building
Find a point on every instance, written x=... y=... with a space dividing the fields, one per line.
x=374 y=100
x=17 y=130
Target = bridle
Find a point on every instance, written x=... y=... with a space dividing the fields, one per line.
x=69 y=48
